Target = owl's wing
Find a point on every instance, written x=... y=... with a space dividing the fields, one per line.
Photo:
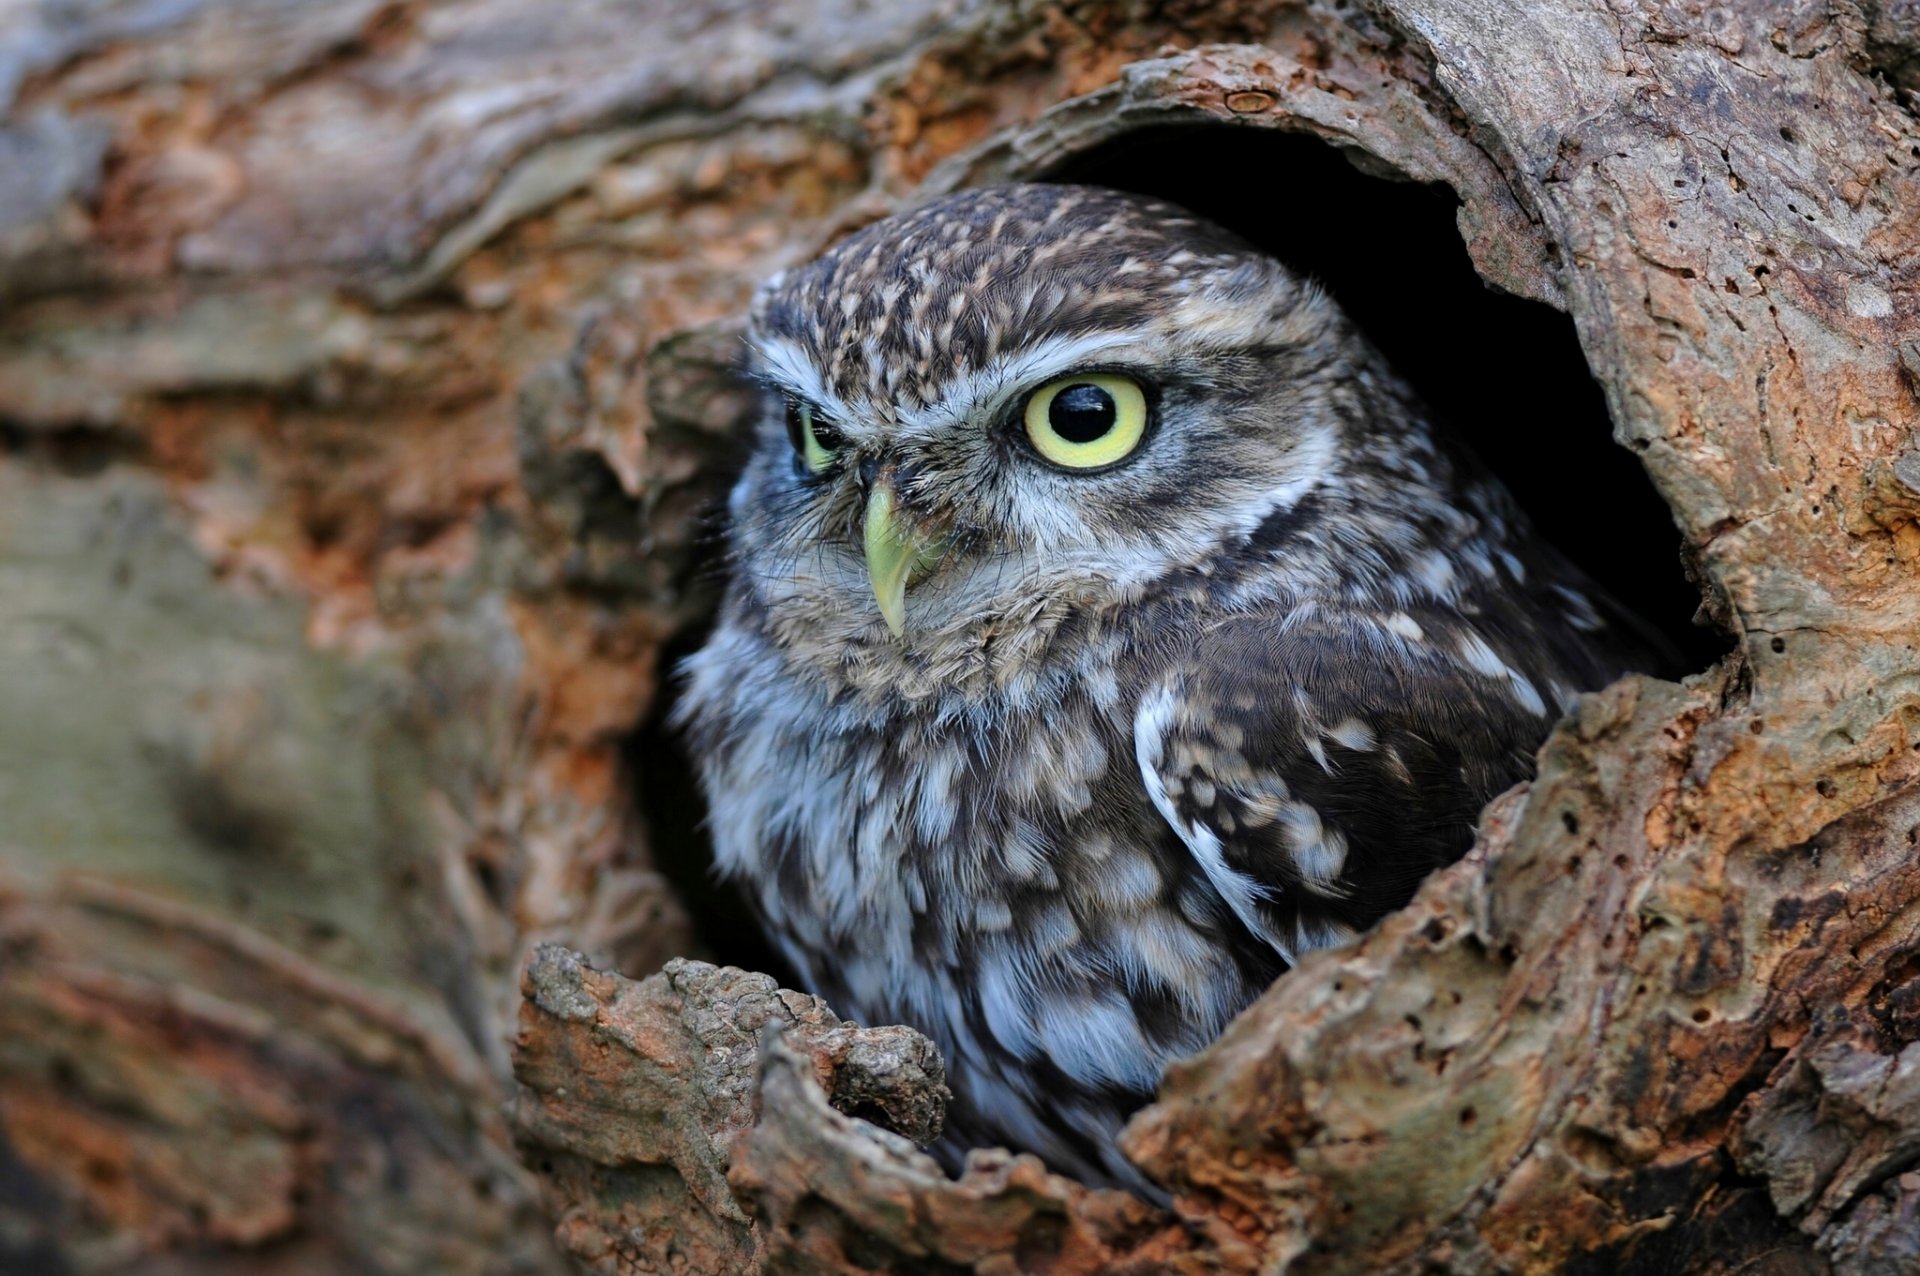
x=1318 y=771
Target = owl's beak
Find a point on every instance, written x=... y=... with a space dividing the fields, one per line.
x=898 y=553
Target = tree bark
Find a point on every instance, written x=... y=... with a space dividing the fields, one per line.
x=365 y=369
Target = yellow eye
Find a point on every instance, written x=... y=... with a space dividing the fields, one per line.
x=1086 y=421
x=811 y=437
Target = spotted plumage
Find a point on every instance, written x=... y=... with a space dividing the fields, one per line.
x=1107 y=627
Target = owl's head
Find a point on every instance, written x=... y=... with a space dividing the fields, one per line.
x=1020 y=400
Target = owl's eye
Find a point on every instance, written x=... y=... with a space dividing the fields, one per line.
x=1087 y=421
x=813 y=439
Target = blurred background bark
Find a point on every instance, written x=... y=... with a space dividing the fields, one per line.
x=364 y=372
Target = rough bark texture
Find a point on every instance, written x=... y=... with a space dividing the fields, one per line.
x=364 y=367
x=706 y=1118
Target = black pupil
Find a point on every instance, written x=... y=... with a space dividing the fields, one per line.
x=1081 y=413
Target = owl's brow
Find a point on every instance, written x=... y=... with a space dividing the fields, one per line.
x=787 y=368
x=1018 y=370
x=783 y=366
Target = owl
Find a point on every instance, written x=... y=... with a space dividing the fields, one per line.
x=1107 y=627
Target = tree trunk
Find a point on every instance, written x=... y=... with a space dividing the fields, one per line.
x=365 y=369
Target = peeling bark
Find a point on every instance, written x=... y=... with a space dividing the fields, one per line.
x=365 y=371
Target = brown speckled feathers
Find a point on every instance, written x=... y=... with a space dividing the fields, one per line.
x=1212 y=647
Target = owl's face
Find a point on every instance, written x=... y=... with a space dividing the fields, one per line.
x=1021 y=400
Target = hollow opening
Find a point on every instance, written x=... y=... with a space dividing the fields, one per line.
x=674 y=811
x=1503 y=374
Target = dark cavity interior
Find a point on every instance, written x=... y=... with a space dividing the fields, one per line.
x=667 y=789
x=1505 y=375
